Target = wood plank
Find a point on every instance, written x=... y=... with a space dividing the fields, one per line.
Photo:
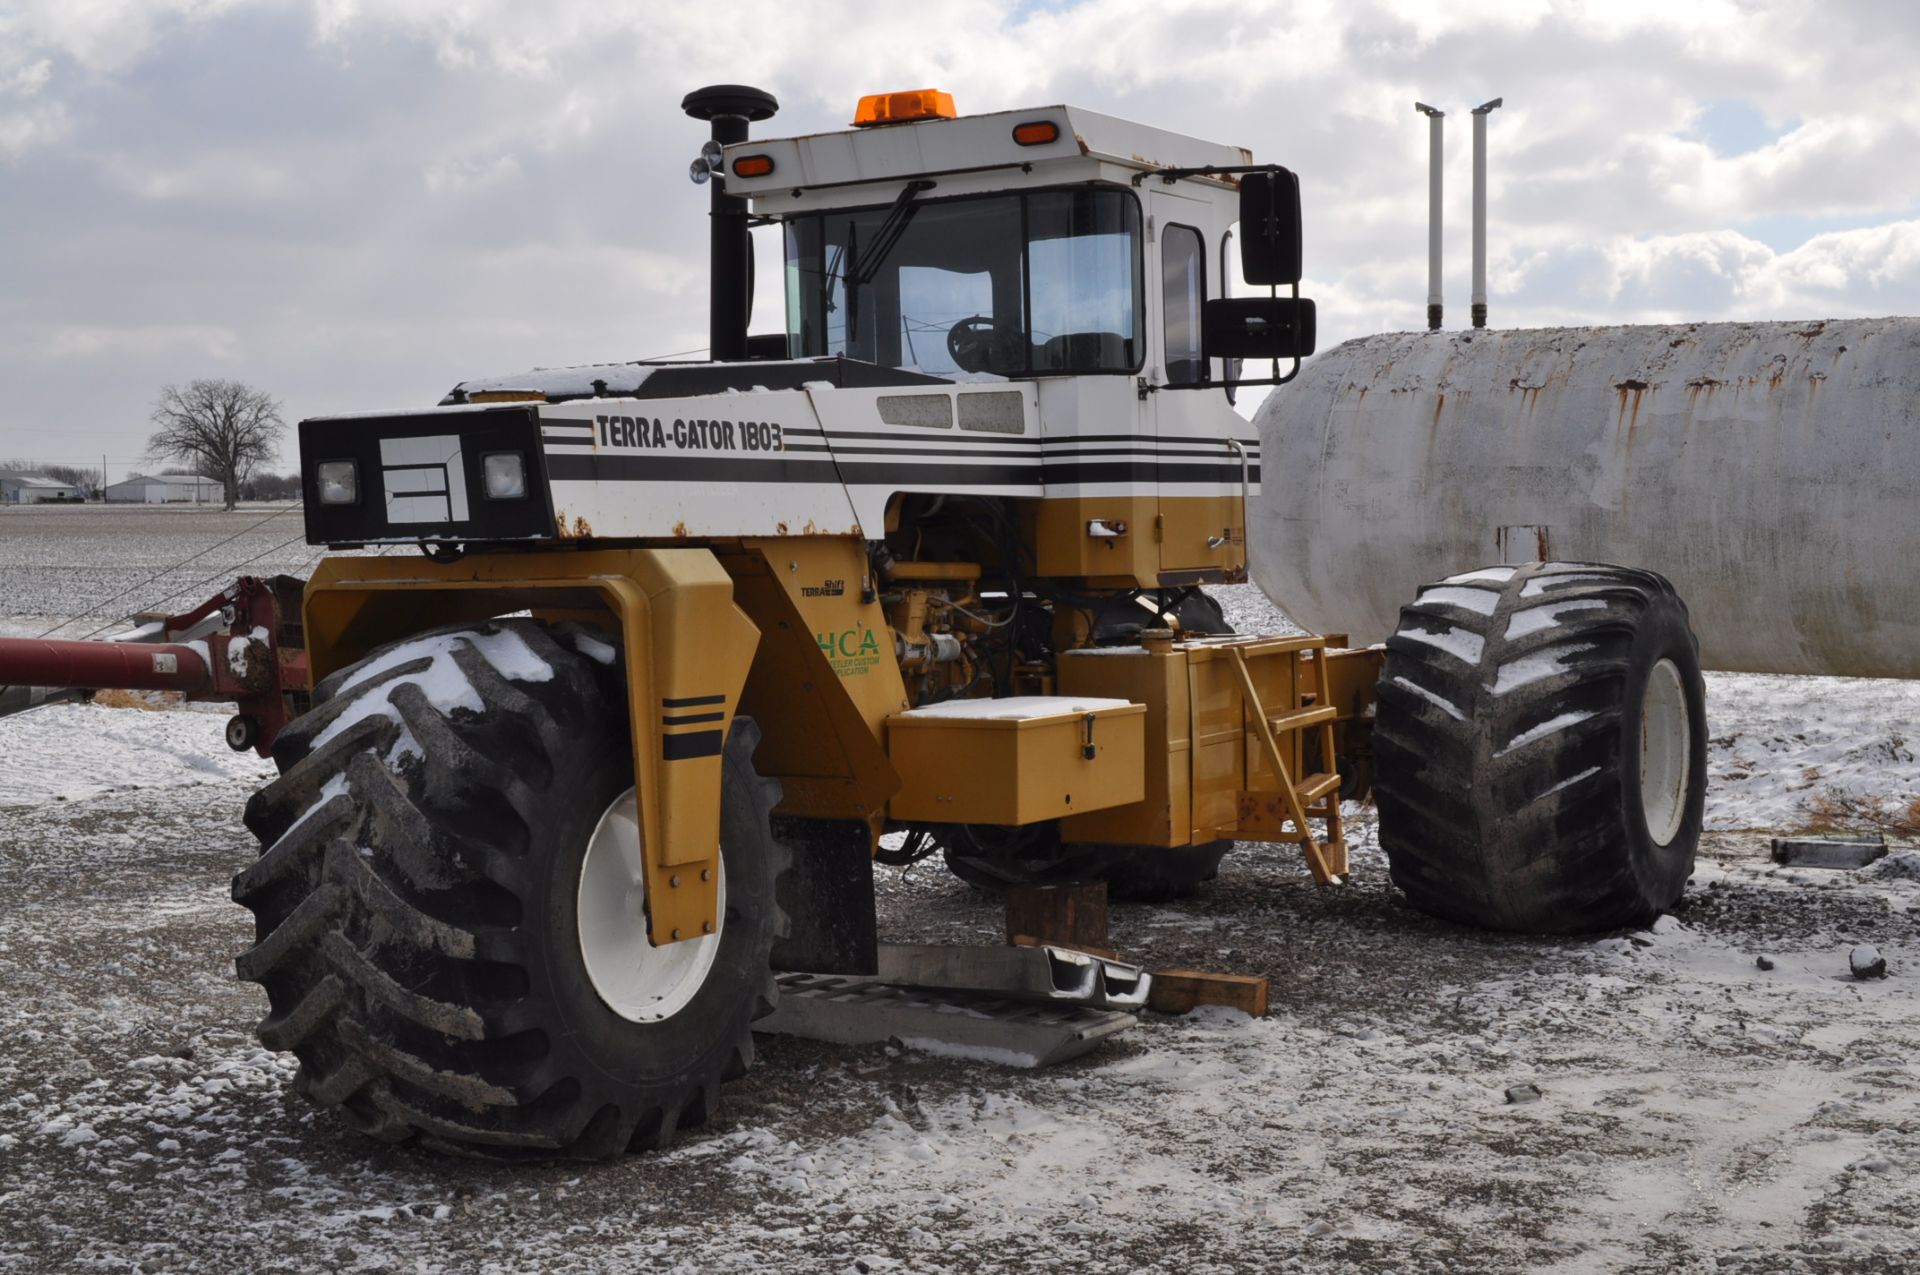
x=1182 y=991
x=1067 y=915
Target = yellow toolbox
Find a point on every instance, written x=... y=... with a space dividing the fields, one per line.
x=1017 y=760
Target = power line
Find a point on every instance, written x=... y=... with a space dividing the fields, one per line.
x=96 y=608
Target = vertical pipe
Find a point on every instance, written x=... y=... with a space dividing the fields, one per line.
x=1479 y=301
x=1436 y=137
x=728 y=109
x=731 y=241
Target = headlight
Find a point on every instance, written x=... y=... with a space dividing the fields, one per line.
x=339 y=482
x=506 y=475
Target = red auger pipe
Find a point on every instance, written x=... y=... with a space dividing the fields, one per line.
x=134 y=666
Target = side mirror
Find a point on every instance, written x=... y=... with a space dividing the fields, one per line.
x=1270 y=227
x=1258 y=328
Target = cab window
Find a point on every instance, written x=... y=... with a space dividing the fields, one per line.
x=1183 y=283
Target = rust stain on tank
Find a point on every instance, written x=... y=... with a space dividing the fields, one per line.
x=1697 y=384
x=780 y=529
x=680 y=531
x=582 y=529
x=577 y=529
x=1636 y=389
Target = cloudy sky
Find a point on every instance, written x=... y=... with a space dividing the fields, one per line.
x=354 y=205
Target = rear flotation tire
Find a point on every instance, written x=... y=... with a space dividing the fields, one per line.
x=1514 y=720
x=1133 y=874
x=416 y=904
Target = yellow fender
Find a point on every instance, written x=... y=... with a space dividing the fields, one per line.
x=688 y=650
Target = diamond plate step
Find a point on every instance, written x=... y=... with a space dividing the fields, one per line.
x=982 y=1026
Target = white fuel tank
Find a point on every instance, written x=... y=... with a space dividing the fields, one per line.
x=1771 y=470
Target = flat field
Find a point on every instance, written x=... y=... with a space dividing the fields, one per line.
x=1696 y=1112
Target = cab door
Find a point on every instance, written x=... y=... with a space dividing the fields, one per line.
x=1202 y=525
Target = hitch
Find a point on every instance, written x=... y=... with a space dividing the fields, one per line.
x=244 y=645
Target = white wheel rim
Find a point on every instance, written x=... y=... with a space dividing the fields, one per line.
x=637 y=980
x=1666 y=755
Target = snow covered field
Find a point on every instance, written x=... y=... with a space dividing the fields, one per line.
x=1696 y=1111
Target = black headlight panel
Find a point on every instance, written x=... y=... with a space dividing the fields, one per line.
x=470 y=475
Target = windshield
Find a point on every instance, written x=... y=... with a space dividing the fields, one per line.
x=1047 y=282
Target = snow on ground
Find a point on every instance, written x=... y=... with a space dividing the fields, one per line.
x=1696 y=1112
x=1776 y=742
x=69 y=752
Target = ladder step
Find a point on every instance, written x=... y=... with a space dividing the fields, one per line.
x=1314 y=787
x=1301 y=718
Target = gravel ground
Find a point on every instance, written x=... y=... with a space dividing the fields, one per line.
x=1696 y=1111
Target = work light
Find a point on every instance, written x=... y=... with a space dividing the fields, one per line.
x=339 y=482
x=506 y=474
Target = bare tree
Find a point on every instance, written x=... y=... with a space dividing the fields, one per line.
x=222 y=428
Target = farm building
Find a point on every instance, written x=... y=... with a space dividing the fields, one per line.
x=34 y=489
x=168 y=489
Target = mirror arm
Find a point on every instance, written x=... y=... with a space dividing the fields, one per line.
x=1172 y=175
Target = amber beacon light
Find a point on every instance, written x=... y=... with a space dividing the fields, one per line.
x=903 y=108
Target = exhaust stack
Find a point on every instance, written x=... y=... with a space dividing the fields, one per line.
x=1436 y=136
x=729 y=108
x=1479 y=302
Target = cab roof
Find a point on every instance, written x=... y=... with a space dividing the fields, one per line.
x=1089 y=146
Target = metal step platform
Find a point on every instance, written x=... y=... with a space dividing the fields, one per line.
x=983 y=1026
x=1042 y=974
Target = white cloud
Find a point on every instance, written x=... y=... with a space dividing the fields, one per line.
x=21 y=131
x=69 y=342
x=211 y=177
x=384 y=198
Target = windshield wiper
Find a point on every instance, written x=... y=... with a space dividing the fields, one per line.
x=867 y=264
x=833 y=271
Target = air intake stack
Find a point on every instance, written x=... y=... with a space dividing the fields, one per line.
x=729 y=108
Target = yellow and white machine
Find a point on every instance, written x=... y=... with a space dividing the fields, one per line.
x=686 y=641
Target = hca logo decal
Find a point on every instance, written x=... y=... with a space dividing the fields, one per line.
x=848 y=644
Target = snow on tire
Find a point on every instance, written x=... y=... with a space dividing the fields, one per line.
x=1540 y=748
x=417 y=904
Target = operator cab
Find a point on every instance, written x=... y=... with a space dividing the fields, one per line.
x=1023 y=244
x=1022 y=283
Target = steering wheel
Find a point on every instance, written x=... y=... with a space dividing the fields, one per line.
x=978 y=344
